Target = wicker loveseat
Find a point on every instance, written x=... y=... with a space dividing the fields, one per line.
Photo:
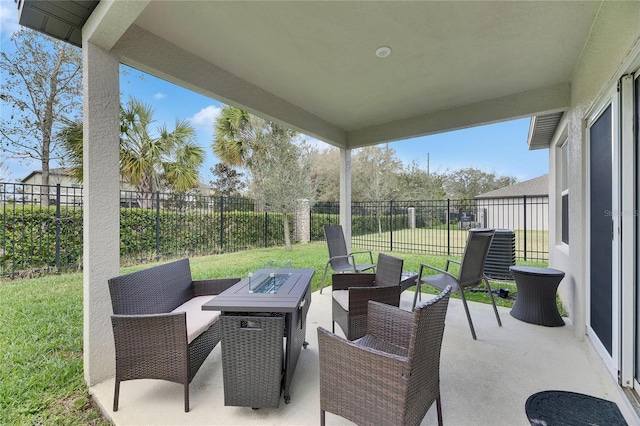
x=159 y=328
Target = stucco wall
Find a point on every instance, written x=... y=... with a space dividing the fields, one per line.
x=613 y=40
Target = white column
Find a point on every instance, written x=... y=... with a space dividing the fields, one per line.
x=101 y=210
x=345 y=194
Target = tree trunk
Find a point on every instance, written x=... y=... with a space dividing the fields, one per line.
x=287 y=237
x=46 y=125
x=144 y=193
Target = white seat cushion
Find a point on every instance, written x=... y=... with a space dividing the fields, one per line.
x=342 y=297
x=198 y=321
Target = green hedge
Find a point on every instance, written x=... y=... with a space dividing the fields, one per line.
x=28 y=235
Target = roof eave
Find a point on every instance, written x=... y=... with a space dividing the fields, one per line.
x=59 y=19
x=542 y=129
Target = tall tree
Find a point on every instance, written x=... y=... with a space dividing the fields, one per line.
x=276 y=160
x=280 y=177
x=414 y=183
x=374 y=177
x=149 y=159
x=228 y=181
x=42 y=85
x=237 y=136
x=374 y=171
x=470 y=182
x=325 y=173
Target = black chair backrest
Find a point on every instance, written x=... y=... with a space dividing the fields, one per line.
x=155 y=290
x=475 y=256
x=335 y=241
x=388 y=270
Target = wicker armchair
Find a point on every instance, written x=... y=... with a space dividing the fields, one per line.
x=391 y=376
x=352 y=292
x=151 y=342
x=339 y=259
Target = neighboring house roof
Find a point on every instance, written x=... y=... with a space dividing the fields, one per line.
x=58 y=171
x=536 y=186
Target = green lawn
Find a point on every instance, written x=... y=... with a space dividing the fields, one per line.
x=41 y=331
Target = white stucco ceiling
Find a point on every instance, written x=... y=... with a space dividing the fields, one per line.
x=312 y=65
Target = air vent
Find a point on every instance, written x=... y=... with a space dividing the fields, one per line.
x=502 y=254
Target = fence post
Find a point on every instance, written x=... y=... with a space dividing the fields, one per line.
x=157 y=225
x=448 y=230
x=524 y=197
x=58 y=227
x=391 y=225
x=266 y=228
x=221 y=222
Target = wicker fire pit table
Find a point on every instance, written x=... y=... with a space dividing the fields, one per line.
x=536 y=298
x=257 y=314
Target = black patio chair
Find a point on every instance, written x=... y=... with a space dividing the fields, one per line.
x=470 y=274
x=339 y=259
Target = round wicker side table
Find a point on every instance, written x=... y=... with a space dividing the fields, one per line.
x=536 y=298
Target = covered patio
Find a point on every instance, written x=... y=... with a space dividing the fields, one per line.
x=313 y=67
x=483 y=382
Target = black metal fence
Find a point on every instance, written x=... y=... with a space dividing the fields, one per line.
x=42 y=226
x=440 y=226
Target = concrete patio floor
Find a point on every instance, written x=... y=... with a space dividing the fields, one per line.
x=483 y=382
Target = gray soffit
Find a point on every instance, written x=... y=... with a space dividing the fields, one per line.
x=311 y=65
x=59 y=19
x=542 y=129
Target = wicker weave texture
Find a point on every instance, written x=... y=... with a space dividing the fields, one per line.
x=536 y=298
x=252 y=359
x=366 y=383
x=296 y=338
x=150 y=341
x=383 y=287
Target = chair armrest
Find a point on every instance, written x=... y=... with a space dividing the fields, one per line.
x=457 y=262
x=348 y=279
x=351 y=371
x=442 y=271
x=362 y=252
x=390 y=323
x=359 y=298
x=136 y=335
x=213 y=286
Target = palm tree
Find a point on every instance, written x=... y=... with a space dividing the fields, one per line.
x=237 y=136
x=148 y=161
x=268 y=151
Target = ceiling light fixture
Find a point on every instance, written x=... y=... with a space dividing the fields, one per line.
x=383 y=52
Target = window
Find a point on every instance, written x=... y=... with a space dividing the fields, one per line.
x=564 y=192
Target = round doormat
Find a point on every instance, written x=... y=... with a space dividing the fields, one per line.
x=561 y=408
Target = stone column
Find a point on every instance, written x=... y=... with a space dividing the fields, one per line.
x=412 y=217
x=303 y=221
x=101 y=210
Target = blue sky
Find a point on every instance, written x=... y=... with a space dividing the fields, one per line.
x=498 y=148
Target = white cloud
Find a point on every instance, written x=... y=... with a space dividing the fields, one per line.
x=8 y=18
x=160 y=95
x=206 y=117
